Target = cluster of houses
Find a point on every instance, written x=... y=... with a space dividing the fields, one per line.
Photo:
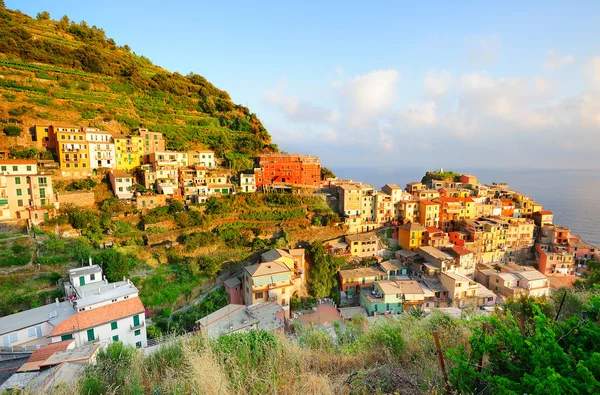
x=137 y=159
x=64 y=337
x=462 y=244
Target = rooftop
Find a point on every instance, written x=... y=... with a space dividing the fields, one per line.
x=236 y=317
x=435 y=284
x=405 y=287
x=361 y=272
x=392 y=264
x=275 y=254
x=348 y=313
x=84 y=270
x=232 y=282
x=266 y=268
x=429 y=203
x=100 y=315
x=413 y=227
x=101 y=291
x=434 y=252
x=458 y=251
x=25 y=319
x=392 y=186
x=532 y=275
x=370 y=236
x=120 y=174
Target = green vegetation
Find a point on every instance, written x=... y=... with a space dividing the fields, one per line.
x=439 y=175
x=12 y=130
x=72 y=72
x=17 y=253
x=322 y=271
x=326 y=173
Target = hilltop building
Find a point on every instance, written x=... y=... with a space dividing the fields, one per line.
x=287 y=169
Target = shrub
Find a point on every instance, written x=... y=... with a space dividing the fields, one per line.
x=385 y=336
x=12 y=130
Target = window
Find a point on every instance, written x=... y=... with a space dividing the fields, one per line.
x=137 y=332
x=138 y=345
x=15 y=168
x=66 y=337
x=90 y=335
x=28 y=168
x=20 y=202
x=18 y=180
x=113 y=325
x=136 y=320
x=19 y=192
x=115 y=338
x=3 y=168
x=258 y=295
x=31 y=332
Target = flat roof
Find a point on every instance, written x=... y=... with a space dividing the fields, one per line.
x=369 y=236
x=120 y=174
x=532 y=275
x=84 y=270
x=348 y=313
x=435 y=284
x=100 y=291
x=28 y=318
x=406 y=287
x=436 y=253
x=392 y=264
x=372 y=271
x=236 y=317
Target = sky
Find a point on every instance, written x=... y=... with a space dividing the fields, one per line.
x=482 y=84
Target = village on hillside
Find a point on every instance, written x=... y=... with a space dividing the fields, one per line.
x=447 y=243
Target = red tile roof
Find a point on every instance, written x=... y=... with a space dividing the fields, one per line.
x=466 y=200
x=460 y=250
x=98 y=316
x=43 y=353
x=447 y=199
x=18 y=161
x=428 y=202
x=546 y=212
x=433 y=229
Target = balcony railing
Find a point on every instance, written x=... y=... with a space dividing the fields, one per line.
x=140 y=325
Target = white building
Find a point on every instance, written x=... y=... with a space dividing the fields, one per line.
x=22 y=188
x=122 y=184
x=247 y=183
x=204 y=158
x=102 y=148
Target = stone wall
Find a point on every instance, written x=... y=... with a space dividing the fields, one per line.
x=81 y=199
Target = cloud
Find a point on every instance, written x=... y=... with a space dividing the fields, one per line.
x=419 y=115
x=593 y=69
x=483 y=50
x=555 y=61
x=366 y=96
x=296 y=109
x=437 y=83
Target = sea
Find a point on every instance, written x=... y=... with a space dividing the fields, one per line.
x=572 y=195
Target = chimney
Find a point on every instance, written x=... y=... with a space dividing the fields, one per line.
x=90 y=261
x=123 y=278
x=57 y=303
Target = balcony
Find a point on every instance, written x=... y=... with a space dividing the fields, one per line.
x=136 y=327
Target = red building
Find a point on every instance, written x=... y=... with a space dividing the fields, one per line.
x=292 y=169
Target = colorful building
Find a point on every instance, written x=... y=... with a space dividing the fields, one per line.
x=72 y=150
x=121 y=183
x=352 y=280
x=202 y=158
x=247 y=183
x=101 y=148
x=429 y=213
x=153 y=142
x=287 y=169
x=411 y=236
x=22 y=188
x=129 y=151
x=392 y=297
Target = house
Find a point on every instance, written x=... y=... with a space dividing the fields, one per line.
x=269 y=282
x=40 y=134
x=425 y=194
x=247 y=183
x=429 y=213
x=468 y=179
x=105 y=312
x=233 y=287
x=353 y=279
x=292 y=258
x=102 y=152
x=394 y=269
x=554 y=260
x=233 y=318
x=506 y=206
x=72 y=150
x=543 y=217
x=440 y=296
x=30 y=329
x=464 y=259
x=485 y=297
x=463 y=291
x=148 y=202
x=363 y=244
x=202 y=158
x=152 y=142
x=122 y=184
x=411 y=236
x=408 y=211
x=582 y=252
x=435 y=237
x=129 y=151
x=24 y=187
x=294 y=169
x=442 y=261
x=449 y=212
x=392 y=297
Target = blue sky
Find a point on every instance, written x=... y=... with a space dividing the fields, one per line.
x=481 y=84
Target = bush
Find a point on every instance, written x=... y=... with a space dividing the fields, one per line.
x=385 y=336
x=12 y=130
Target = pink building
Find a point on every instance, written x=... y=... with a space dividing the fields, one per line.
x=233 y=287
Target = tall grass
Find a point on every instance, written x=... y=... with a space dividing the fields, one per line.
x=390 y=356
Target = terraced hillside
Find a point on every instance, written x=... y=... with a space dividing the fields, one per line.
x=67 y=72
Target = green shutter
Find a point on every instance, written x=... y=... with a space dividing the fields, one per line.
x=66 y=337
x=113 y=325
x=136 y=320
x=81 y=280
x=115 y=338
x=90 y=335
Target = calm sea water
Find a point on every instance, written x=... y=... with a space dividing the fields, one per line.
x=572 y=195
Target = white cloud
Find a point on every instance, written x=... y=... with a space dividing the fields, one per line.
x=437 y=83
x=541 y=85
x=593 y=68
x=366 y=96
x=297 y=109
x=420 y=115
x=555 y=61
x=484 y=49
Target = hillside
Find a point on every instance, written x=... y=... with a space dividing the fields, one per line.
x=66 y=72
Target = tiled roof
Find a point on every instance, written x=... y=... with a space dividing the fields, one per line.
x=433 y=229
x=447 y=199
x=460 y=250
x=546 y=212
x=428 y=203
x=413 y=226
x=267 y=268
x=18 y=162
x=43 y=353
x=98 y=316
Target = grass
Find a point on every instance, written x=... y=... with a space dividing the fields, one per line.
x=390 y=356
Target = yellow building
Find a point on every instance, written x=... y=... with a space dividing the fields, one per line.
x=72 y=150
x=130 y=152
x=41 y=137
x=429 y=213
x=467 y=208
x=411 y=236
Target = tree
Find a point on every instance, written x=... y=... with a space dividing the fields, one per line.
x=63 y=24
x=535 y=356
x=112 y=206
x=2 y=5
x=12 y=130
x=326 y=173
x=591 y=278
x=43 y=16
x=322 y=272
x=115 y=264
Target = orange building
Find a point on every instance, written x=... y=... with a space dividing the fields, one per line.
x=293 y=169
